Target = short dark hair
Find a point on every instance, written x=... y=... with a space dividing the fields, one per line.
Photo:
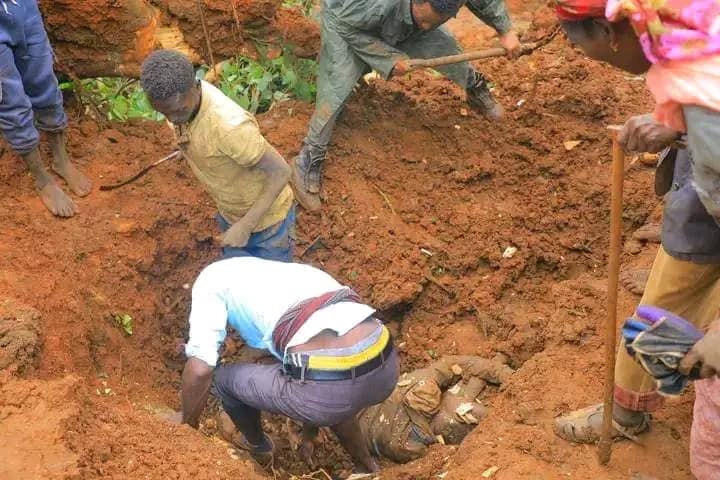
x=444 y=7
x=166 y=73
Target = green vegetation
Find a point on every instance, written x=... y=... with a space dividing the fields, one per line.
x=119 y=99
x=125 y=322
x=256 y=84
x=305 y=6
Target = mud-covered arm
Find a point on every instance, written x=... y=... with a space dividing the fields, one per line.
x=356 y=22
x=703 y=137
x=196 y=380
x=208 y=323
x=492 y=12
x=380 y=55
x=492 y=371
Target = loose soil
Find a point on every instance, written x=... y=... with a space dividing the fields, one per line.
x=422 y=200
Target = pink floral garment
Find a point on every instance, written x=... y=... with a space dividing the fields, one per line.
x=672 y=29
x=681 y=38
x=705 y=436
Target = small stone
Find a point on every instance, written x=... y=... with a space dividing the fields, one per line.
x=509 y=252
x=124 y=226
x=570 y=144
x=456 y=369
x=463 y=112
x=457 y=127
x=490 y=472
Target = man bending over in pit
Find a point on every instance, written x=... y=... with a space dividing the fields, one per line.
x=334 y=358
x=30 y=100
x=245 y=176
x=429 y=405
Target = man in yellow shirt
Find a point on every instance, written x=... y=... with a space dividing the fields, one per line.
x=246 y=177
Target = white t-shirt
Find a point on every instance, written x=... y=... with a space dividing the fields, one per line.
x=251 y=294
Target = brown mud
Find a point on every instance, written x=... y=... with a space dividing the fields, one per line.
x=422 y=201
x=95 y=38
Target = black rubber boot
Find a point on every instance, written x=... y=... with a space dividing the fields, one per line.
x=307 y=176
x=481 y=100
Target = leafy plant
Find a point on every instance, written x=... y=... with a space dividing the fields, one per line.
x=256 y=84
x=305 y=6
x=119 y=99
x=124 y=321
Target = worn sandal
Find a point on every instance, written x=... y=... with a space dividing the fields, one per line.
x=584 y=426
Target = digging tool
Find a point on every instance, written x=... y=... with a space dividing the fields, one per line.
x=418 y=63
x=616 y=199
x=113 y=186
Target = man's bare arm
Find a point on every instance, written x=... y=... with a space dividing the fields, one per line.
x=277 y=173
x=196 y=380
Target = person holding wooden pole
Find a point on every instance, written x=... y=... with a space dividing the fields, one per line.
x=383 y=35
x=678 y=44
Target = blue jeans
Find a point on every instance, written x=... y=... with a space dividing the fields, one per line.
x=29 y=95
x=274 y=243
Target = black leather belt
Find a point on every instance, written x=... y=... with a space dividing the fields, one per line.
x=301 y=373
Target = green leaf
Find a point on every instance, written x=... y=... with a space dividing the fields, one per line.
x=125 y=322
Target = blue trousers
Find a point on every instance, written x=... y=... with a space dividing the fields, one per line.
x=274 y=243
x=29 y=95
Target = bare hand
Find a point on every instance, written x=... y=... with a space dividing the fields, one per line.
x=401 y=68
x=643 y=134
x=511 y=43
x=705 y=354
x=237 y=235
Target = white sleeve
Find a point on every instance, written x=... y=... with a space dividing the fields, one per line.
x=208 y=321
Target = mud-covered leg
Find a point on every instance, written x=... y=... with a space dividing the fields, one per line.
x=35 y=66
x=352 y=440
x=440 y=42
x=339 y=70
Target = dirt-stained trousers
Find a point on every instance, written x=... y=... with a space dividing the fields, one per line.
x=29 y=95
x=342 y=65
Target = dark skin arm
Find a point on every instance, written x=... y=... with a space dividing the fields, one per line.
x=196 y=380
x=642 y=133
x=705 y=355
x=277 y=173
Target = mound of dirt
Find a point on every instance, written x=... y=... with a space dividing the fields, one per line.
x=112 y=37
x=473 y=238
x=19 y=336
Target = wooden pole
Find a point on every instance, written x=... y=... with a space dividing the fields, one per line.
x=418 y=63
x=616 y=204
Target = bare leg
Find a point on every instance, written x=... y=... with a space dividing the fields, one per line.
x=50 y=193
x=352 y=440
x=76 y=180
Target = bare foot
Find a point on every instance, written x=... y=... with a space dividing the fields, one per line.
x=635 y=280
x=56 y=201
x=633 y=247
x=76 y=180
x=648 y=233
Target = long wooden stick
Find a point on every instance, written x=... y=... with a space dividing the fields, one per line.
x=113 y=186
x=418 y=63
x=616 y=204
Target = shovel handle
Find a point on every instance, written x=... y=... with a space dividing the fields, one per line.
x=616 y=206
x=418 y=63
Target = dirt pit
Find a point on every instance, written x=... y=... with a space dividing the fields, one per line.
x=422 y=200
